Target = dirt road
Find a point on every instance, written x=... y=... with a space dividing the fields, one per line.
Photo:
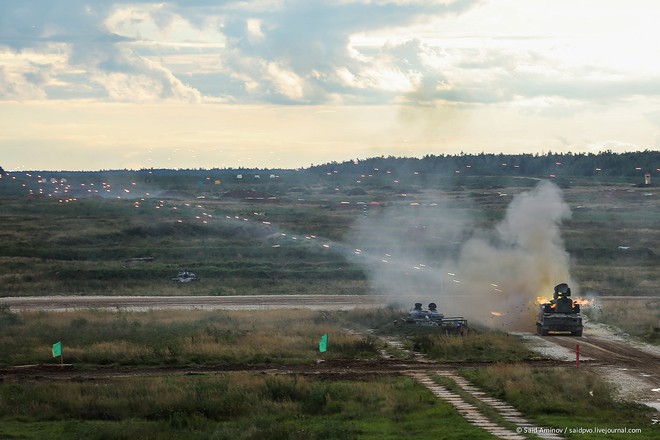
x=634 y=369
x=235 y=302
x=238 y=302
x=608 y=351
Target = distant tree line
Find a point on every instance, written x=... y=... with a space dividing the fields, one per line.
x=605 y=163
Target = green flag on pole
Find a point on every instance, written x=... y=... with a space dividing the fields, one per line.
x=57 y=349
x=323 y=343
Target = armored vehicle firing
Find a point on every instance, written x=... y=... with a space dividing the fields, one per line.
x=560 y=315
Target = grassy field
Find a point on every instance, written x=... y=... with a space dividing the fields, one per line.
x=273 y=236
x=220 y=406
x=144 y=402
x=101 y=338
x=287 y=234
x=81 y=248
x=278 y=236
x=185 y=337
x=640 y=319
x=228 y=406
x=281 y=236
x=565 y=398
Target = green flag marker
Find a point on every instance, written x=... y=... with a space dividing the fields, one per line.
x=57 y=349
x=323 y=343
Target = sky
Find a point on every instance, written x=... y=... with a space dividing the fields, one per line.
x=90 y=84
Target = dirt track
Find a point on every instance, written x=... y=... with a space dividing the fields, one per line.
x=239 y=302
x=236 y=302
x=348 y=369
x=634 y=370
x=608 y=351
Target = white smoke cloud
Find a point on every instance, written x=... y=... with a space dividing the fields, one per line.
x=490 y=276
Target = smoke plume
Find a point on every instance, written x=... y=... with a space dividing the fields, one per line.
x=435 y=253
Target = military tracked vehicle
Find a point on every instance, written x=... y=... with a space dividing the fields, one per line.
x=185 y=276
x=432 y=318
x=560 y=315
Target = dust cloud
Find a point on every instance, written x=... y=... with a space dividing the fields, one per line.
x=436 y=252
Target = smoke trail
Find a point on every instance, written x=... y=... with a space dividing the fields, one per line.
x=492 y=276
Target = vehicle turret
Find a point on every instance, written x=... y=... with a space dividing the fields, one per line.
x=560 y=315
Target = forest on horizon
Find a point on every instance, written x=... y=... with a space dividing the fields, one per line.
x=606 y=163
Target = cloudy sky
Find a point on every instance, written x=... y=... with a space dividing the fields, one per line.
x=91 y=84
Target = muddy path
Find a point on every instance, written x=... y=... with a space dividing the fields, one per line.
x=335 y=369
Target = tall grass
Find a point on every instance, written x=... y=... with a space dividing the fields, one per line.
x=162 y=337
x=563 y=397
x=479 y=344
x=228 y=406
x=639 y=318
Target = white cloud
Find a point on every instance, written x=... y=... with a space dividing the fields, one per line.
x=77 y=33
x=254 y=29
x=357 y=51
x=27 y=74
x=525 y=73
x=17 y=86
x=308 y=40
x=287 y=82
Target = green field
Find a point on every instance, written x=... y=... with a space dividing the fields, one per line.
x=291 y=234
x=130 y=233
x=161 y=375
x=566 y=398
x=230 y=406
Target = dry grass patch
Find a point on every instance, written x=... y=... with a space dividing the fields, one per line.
x=637 y=317
x=176 y=336
x=564 y=397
